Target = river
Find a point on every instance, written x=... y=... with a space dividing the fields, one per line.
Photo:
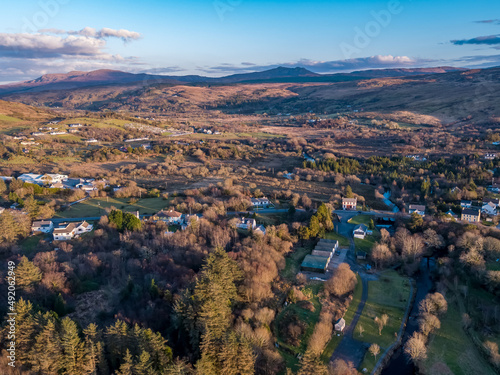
x=387 y=201
x=399 y=364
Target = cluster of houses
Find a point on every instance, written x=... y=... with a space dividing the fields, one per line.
x=319 y=259
x=472 y=214
x=61 y=231
x=61 y=181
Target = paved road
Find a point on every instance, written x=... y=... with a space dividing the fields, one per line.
x=349 y=348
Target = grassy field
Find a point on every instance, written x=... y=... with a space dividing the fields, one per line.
x=310 y=318
x=293 y=262
x=361 y=219
x=97 y=207
x=389 y=295
x=343 y=241
x=349 y=316
x=366 y=244
x=29 y=244
x=451 y=346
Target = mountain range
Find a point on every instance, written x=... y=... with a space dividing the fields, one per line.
x=77 y=79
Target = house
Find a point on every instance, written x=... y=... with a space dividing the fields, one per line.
x=91 y=140
x=44 y=226
x=75 y=125
x=2 y=210
x=452 y=214
x=489 y=208
x=466 y=204
x=260 y=229
x=170 y=217
x=418 y=208
x=188 y=220
x=246 y=223
x=340 y=325
x=360 y=231
x=494 y=202
x=494 y=188
x=490 y=156
x=471 y=215
x=67 y=231
x=46 y=179
x=260 y=202
x=349 y=203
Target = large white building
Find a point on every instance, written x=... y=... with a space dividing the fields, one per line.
x=42 y=179
x=67 y=231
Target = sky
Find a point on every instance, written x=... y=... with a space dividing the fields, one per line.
x=222 y=37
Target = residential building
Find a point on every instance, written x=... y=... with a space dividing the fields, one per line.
x=418 y=208
x=2 y=210
x=466 y=204
x=260 y=202
x=340 y=325
x=170 y=217
x=349 y=203
x=360 y=231
x=68 y=231
x=246 y=223
x=495 y=202
x=452 y=214
x=489 y=208
x=490 y=156
x=45 y=179
x=44 y=226
x=494 y=188
x=471 y=215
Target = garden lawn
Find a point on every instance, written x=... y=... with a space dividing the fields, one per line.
x=361 y=219
x=343 y=241
x=293 y=262
x=96 y=207
x=450 y=345
x=29 y=244
x=388 y=295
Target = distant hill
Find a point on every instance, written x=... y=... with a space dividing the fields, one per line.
x=77 y=79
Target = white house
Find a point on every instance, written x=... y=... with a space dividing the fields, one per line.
x=260 y=202
x=466 y=204
x=246 y=223
x=44 y=226
x=418 y=208
x=170 y=217
x=67 y=231
x=45 y=179
x=495 y=202
x=340 y=325
x=360 y=231
x=349 y=203
x=489 y=208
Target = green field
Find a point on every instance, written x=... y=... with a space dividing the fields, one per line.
x=451 y=345
x=361 y=219
x=310 y=318
x=348 y=317
x=30 y=243
x=388 y=295
x=343 y=241
x=97 y=207
x=4 y=119
x=365 y=245
x=293 y=262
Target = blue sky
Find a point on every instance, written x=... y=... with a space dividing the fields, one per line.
x=219 y=37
